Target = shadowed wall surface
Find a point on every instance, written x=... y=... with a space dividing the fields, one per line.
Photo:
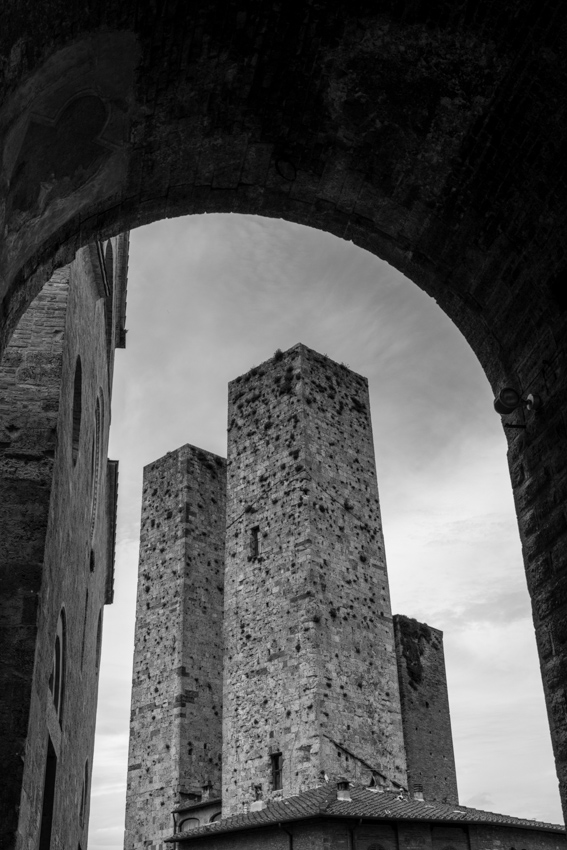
x=428 y=133
x=58 y=500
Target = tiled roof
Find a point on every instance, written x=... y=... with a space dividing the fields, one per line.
x=365 y=803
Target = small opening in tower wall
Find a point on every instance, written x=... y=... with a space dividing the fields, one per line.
x=255 y=541
x=277 y=763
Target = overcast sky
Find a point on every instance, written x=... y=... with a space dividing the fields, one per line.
x=212 y=296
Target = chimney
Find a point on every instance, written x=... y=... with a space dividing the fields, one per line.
x=343 y=790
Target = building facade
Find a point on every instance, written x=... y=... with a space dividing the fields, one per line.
x=58 y=500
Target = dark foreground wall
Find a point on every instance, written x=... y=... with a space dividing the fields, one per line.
x=57 y=559
x=30 y=385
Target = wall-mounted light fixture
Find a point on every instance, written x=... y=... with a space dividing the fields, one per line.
x=508 y=400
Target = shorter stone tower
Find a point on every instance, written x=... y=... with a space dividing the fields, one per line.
x=425 y=710
x=175 y=728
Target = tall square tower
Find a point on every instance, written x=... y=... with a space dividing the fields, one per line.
x=175 y=726
x=310 y=686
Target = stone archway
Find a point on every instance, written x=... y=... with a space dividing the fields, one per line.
x=429 y=135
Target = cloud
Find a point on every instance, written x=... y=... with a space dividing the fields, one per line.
x=482 y=800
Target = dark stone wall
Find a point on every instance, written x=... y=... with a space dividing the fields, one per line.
x=411 y=129
x=176 y=717
x=425 y=710
x=55 y=558
x=432 y=134
x=30 y=384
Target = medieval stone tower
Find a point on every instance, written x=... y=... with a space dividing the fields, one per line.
x=310 y=681
x=309 y=662
x=175 y=730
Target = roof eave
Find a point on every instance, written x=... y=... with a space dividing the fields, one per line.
x=194 y=834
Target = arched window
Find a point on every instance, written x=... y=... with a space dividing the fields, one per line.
x=98 y=639
x=109 y=264
x=188 y=823
x=215 y=817
x=57 y=678
x=96 y=463
x=109 y=305
x=84 y=794
x=77 y=410
x=84 y=627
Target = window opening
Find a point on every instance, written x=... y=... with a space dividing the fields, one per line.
x=84 y=628
x=98 y=639
x=96 y=464
x=77 y=409
x=255 y=541
x=84 y=794
x=57 y=678
x=48 y=797
x=277 y=763
x=109 y=301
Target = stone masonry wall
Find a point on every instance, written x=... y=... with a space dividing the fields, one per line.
x=425 y=710
x=53 y=492
x=175 y=727
x=30 y=384
x=310 y=669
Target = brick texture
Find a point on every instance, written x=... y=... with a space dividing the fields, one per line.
x=55 y=544
x=30 y=386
